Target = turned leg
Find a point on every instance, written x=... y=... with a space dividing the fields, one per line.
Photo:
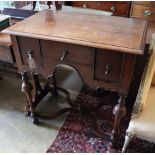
x=27 y=89
x=119 y=111
x=128 y=138
x=27 y=109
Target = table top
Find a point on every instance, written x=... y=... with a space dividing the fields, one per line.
x=107 y=32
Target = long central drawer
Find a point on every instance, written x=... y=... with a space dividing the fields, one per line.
x=67 y=52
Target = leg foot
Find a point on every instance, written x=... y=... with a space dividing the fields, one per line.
x=27 y=90
x=35 y=121
x=27 y=113
x=119 y=111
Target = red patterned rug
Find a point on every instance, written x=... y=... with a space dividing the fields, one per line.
x=77 y=134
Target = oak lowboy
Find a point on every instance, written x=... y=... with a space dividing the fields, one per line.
x=101 y=48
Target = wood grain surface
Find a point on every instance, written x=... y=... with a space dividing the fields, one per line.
x=107 y=32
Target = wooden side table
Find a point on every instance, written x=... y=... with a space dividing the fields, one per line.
x=101 y=50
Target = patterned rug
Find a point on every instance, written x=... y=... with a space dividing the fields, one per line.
x=77 y=134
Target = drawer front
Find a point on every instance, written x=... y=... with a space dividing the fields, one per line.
x=64 y=52
x=118 y=8
x=5 y=54
x=31 y=45
x=87 y=4
x=145 y=3
x=143 y=12
x=109 y=66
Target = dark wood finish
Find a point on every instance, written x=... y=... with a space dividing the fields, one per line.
x=106 y=68
x=118 y=8
x=119 y=111
x=48 y=54
x=72 y=39
x=67 y=52
x=34 y=48
x=60 y=27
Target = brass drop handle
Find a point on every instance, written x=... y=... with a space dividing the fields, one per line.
x=65 y=52
x=107 y=69
x=31 y=61
x=147 y=13
x=112 y=8
x=30 y=56
x=85 y=5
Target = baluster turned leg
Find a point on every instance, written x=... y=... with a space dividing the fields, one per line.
x=119 y=111
x=27 y=109
x=26 y=89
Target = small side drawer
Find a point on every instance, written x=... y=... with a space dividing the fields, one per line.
x=144 y=3
x=25 y=46
x=5 y=54
x=118 y=8
x=109 y=66
x=64 y=52
x=143 y=12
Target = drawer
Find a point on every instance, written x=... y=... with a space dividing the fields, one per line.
x=145 y=3
x=27 y=45
x=143 y=12
x=5 y=54
x=118 y=8
x=67 y=52
x=109 y=66
x=150 y=32
x=87 y=4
